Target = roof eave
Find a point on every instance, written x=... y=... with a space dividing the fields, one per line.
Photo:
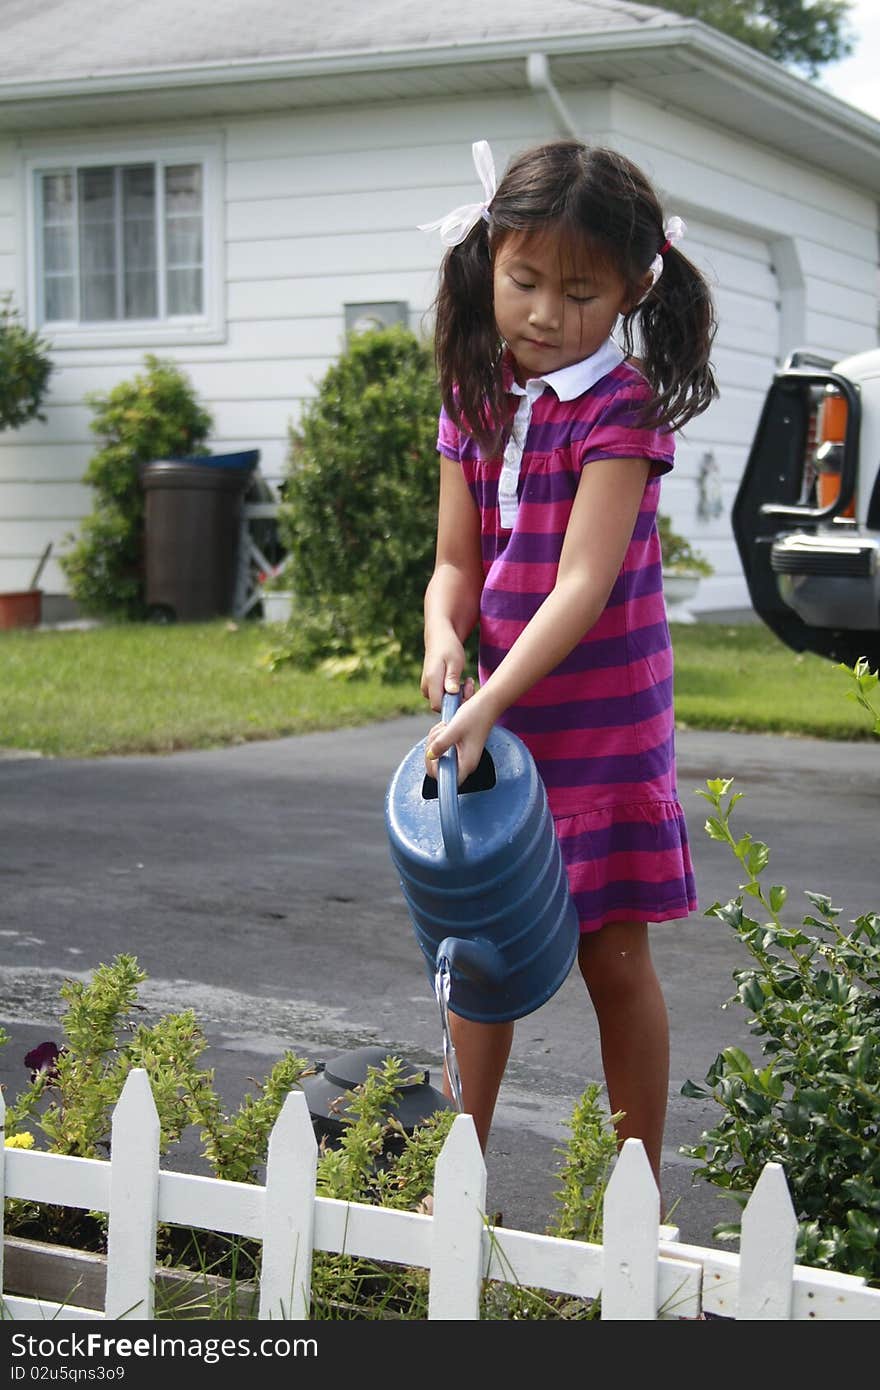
x=726 y=59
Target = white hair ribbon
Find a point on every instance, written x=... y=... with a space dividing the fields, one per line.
x=458 y=223
x=673 y=231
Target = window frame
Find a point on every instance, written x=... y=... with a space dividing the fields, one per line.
x=207 y=327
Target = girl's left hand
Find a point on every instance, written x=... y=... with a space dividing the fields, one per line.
x=468 y=729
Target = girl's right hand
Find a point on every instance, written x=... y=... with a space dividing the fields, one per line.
x=442 y=672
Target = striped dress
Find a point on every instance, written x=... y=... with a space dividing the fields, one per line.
x=600 y=726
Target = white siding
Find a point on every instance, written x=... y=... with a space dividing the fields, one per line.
x=321 y=210
x=743 y=203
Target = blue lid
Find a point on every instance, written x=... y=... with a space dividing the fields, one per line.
x=248 y=458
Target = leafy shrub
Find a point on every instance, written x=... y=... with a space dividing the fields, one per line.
x=359 y=508
x=25 y=369
x=814 y=1105
x=74 y=1087
x=588 y=1159
x=153 y=416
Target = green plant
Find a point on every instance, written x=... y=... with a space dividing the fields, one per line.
x=358 y=514
x=279 y=581
x=679 y=556
x=376 y=1162
x=25 y=369
x=375 y=1159
x=813 y=1104
x=588 y=1158
x=866 y=689
x=74 y=1088
x=308 y=647
x=153 y=416
x=236 y=1145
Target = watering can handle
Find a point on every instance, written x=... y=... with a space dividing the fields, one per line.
x=447 y=788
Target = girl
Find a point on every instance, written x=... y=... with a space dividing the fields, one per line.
x=553 y=440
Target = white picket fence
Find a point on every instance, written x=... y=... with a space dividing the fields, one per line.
x=639 y=1271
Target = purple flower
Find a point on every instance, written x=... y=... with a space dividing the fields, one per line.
x=43 y=1058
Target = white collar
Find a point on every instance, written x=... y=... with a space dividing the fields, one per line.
x=571 y=382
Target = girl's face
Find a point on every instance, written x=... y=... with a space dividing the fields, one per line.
x=552 y=311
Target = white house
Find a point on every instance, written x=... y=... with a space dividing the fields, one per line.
x=231 y=185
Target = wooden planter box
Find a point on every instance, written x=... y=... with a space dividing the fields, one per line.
x=61 y=1274
x=78 y=1278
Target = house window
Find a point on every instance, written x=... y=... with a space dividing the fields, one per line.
x=127 y=248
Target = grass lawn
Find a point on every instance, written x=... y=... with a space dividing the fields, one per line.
x=154 y=689
x=746 y=680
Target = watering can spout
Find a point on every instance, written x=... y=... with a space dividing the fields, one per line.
x=474 y=958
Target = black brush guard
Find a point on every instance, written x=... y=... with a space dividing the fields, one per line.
x=794 y=552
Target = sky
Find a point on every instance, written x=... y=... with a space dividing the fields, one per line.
x=857 y=79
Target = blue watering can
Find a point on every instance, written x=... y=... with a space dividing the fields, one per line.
x=482 y=874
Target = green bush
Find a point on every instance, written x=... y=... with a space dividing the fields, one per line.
x=25 y=369
x=359 y=506
x=813 y=1104
x=153 y=416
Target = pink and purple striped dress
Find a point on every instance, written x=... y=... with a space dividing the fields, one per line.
x=600 y=726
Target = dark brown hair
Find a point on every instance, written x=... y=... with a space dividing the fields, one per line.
x=595 y=199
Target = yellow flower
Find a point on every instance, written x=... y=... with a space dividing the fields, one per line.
x=20 y=1141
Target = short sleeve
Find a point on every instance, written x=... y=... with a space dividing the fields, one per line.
x=448 y=437
x=617 y=433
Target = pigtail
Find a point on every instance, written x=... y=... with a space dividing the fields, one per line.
x=677 y=327
x=467 y=347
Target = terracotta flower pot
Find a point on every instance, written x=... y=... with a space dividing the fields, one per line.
x=23 y=609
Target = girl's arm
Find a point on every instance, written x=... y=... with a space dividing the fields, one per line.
x=452 y=598
x=599 y=531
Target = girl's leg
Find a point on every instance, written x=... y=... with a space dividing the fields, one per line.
x=633 y=1029
x=481 y=1051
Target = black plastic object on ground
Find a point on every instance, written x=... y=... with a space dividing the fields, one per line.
x=192 y=534
x=325 y=1092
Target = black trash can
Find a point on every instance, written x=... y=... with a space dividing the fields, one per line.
x=192 y=534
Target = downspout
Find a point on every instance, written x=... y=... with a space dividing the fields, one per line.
x=539 y=79
x=791 y=281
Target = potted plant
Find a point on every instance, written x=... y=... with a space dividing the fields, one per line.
x=25 y=369
x=683 y=567
x=276 y=594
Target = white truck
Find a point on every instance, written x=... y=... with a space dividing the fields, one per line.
x=806 y=517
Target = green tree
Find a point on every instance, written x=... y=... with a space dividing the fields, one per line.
x=25 y=369
x=803 y=34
